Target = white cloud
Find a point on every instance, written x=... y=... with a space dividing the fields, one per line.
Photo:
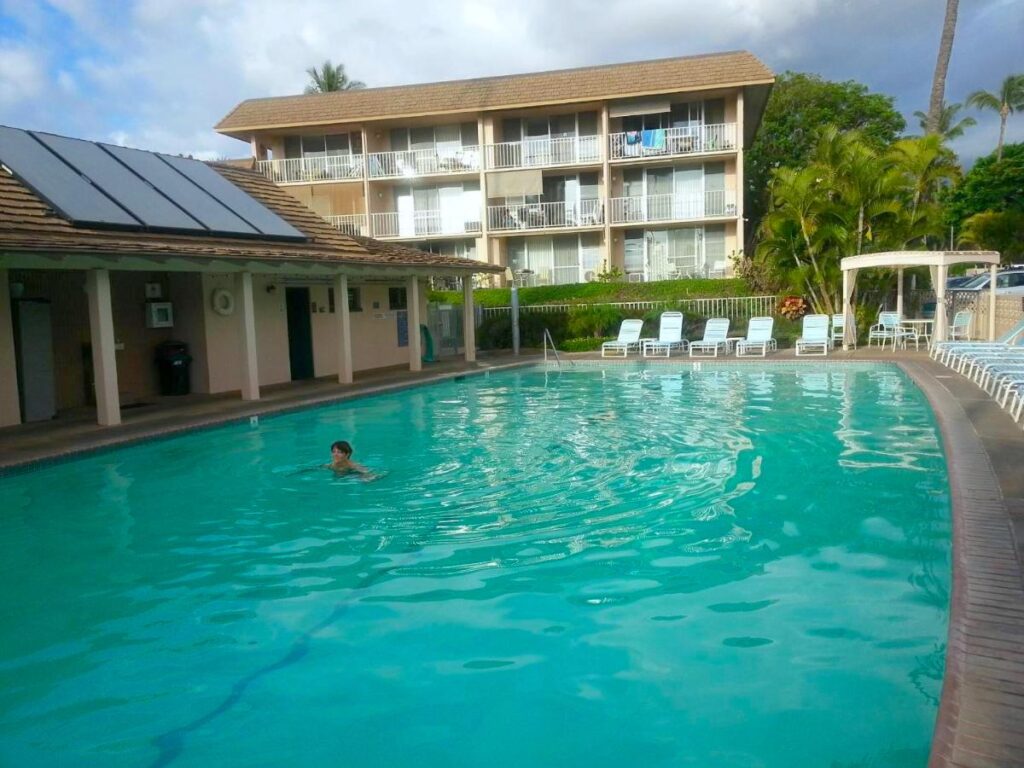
x=21 y=76
x=160 y=75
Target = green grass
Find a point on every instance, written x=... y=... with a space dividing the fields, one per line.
x=664 y=290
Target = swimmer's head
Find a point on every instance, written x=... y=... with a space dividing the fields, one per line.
x=341 y=449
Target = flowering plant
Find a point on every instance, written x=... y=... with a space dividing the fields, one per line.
x=793 y=307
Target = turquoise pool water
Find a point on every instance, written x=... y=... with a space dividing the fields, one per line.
x=730 y=567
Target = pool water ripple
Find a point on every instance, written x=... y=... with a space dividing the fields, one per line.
x=673 y=567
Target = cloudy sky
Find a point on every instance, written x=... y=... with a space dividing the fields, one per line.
x=158 y=74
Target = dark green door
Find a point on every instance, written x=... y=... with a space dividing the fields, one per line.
x=300 y=333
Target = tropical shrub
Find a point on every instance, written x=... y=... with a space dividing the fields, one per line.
x=793 y=307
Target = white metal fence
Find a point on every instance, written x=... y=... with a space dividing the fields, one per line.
x=311 y=169
x=544 y=152
x=583 y=213
x=670 y=142
x=629 y=210
x=420 y=223
x=423 y=162
x=351 y=224
x=732 y=307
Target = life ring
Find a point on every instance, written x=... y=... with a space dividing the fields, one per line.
x=223 y=302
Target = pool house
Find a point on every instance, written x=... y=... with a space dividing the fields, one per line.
x=111 y=257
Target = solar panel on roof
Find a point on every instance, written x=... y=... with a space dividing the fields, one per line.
x=261 y=217
x=132 y=193
x=60 y=186
x=195 y=201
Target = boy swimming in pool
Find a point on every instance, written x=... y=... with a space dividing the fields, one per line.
x=341 y=459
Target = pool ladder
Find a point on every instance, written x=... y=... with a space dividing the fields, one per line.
x=554 y=350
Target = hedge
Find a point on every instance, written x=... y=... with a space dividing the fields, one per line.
x=579 y=293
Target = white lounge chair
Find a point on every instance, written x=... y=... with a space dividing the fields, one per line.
x=960 y=329
x=629 y=338
x=670 y=336
x=838 y=334
x=814 y=335
x=716 y=337
x=759 y=337
x=886 y=329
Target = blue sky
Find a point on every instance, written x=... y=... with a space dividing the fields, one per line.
x=158 y=74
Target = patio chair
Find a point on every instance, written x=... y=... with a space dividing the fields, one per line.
x=886 y=329
x=960 y=328
x=716 y=336
x=814 y=335
x=838 y=334
x=759 y=337
x=670 y=336
x=629 y=338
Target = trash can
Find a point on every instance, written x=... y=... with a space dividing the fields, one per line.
x=173 y=361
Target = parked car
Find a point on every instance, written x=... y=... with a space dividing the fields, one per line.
x=958 y=282
x=1008 y=281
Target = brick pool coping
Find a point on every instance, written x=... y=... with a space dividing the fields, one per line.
x=980 y=722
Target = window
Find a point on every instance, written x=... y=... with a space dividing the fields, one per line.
x=397 y=298
x=355 y=300
x=330 y=300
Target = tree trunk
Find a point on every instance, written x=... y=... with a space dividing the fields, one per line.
x=941 y=67
x=1004 y=112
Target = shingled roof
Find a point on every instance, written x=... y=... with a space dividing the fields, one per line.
x=29 y=225
x=612 y=81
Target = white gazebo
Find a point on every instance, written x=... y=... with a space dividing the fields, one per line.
x=938 y=263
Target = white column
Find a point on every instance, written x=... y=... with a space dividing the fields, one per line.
x=412 y=291
x=10 y=409
x=846 y=309
x=899 y=292
x=247 y=330
x=940 y=303
x=606 y=177
x=344 y=329
x=741 y=233
x=468 y=319
x=104 y=361
x=992 y=303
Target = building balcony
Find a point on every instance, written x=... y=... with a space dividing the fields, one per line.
x=351 y=224
x=312 y=169
x=672 y=142
x=663 y=208
x=544 y=152
x=424 y=162
x=419 y=224
x=535 y=216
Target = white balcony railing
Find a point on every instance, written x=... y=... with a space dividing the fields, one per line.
x=544 y=152
x=351 y=224
x=424 y=162
x=671 y=142
x=303 y=170
x=556 y=215
x=421 y=224
x=640 y=210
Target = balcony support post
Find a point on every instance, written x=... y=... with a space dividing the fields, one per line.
x=741 y=241
x=606 y=176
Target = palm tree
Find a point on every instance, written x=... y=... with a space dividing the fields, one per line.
x=948 y=128
x=1009 y=99
x=331 y=78
x=941 y=67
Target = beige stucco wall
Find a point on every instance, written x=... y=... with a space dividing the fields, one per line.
x=223 y=334
x=374 y=330
x=10 y=410
x=137 y=375
x=374 y=335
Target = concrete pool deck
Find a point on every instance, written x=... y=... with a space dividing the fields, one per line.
x=981 y=715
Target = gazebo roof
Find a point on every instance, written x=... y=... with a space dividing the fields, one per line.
x=918 y=259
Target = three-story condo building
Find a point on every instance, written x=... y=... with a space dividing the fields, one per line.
x=558 y=175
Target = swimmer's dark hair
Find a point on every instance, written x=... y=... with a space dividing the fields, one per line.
x=342 y=445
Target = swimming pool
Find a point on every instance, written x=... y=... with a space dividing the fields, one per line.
x=734 y=566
